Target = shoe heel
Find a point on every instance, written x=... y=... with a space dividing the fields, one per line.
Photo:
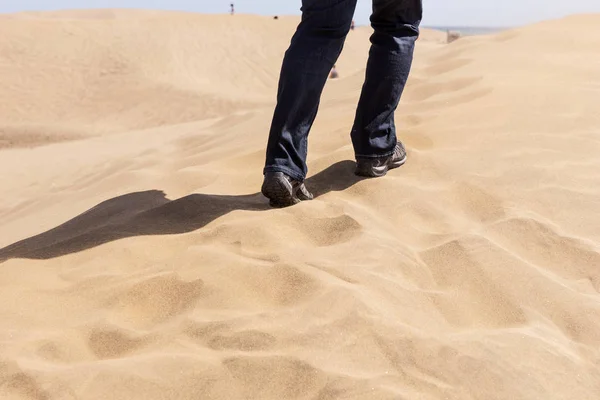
x=279 y=194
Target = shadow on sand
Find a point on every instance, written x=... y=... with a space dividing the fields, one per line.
x=152 y=213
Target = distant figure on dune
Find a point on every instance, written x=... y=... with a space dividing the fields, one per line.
x=334 y=74
x=308 y=62
x=352 y=25
x=232 y=8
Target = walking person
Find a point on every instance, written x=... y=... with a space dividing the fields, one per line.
x=314 y=49
x=334 y=73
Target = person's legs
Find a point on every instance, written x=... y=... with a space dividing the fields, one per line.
x=396 y=25
x=314 y=49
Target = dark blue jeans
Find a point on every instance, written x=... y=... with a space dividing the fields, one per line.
x=313 y=51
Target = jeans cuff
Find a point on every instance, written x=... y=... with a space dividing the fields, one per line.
x=374 y=156
x=292 y=174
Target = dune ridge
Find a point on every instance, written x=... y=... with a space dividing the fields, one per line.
x=137 y=259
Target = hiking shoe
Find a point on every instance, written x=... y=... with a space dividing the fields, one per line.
x=377 y=167
x=284 y=191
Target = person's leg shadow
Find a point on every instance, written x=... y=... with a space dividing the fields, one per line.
x=152 y=213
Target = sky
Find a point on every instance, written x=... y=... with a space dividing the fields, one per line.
x=479 y=13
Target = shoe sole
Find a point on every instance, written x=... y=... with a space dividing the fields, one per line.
x=377 y=172
x=280 y=193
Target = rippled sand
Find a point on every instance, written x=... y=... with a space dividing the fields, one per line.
x=138 y=261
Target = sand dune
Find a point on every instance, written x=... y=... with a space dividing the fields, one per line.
x=138 y=261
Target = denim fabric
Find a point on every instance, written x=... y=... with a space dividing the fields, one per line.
x=314 y=49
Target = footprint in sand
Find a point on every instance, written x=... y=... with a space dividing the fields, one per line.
x=468 y=295
x=157 y=300
x=113 y=343
x=15 y=383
